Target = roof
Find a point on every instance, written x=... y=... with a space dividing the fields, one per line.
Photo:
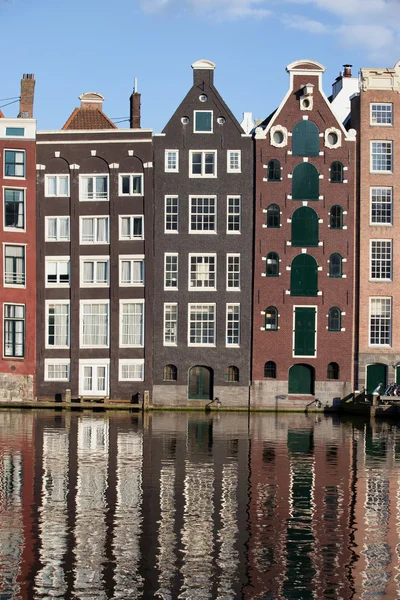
x=1 y=115
x=88 y=118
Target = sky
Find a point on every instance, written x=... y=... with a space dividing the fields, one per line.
x=97 y=45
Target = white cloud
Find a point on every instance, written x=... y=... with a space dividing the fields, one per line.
x=299 y=22
x=221 y=8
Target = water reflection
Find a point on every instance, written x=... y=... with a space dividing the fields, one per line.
x=206 y=507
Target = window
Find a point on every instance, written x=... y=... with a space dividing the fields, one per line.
x=274 y=170
x=382 y=114
x=170 y=324
x=232 y=324
x=57 y=334
x=56 y=369
x=14 y=330
x=381 y=205
x=57 y=229
x=234 y=161
x=170 y=373
x=202 y=163
x=56 y=185
x=131 y=369
x=203 y=121
x=14 y=163
x=234 y=214
x=201 y=325
x=333 y=371
x=131 y=323
x=304 y=276
x=95 y=271
x=58 y=271
x=305 y=182
x=94 y=230
x=171 y=271
x=14 y=263
x=94 y=324
x=334 y=319
x=273 y=216
x=14 y=209
x=131 y=185
x=231 y=374
x=381 y=156
x=233 y=272
x=272 y=264
x=202 y=268
x=305 y=139
x=380 y=332
x=270 y=369
x=336 y=217
x=131 y=270
x=171 y=214
x=93 y=187
x=203 y=214
x=15 y=131
x=337 y=172
x=172 y=161
x=381 y=259
x=304 y=227
x=335 y=265
x=94 y=377
x=271 y=318
x=131 y=227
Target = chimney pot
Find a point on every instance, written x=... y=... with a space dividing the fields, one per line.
x=347 y=70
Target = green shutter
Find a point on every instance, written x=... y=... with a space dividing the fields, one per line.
x=304 y=331
x=304 y=276
x=304 y=227
x=305 y=182
x=300 y=441
x=376 y=374
x=305 y=139
x=301 y=379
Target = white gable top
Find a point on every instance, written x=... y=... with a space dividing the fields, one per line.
x=306 y=65
x=204 y=64
x=91 y=97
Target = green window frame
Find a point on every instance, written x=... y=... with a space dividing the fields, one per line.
x=304 y=276
x=333 y=371
x=336 y=217
x=305 y=182
x=335 y=265
x=334 y=319
x=273 y=216
x=274 y=170
x=336 y=172
x=271 y=318
x=270 y=369
x=305 y=139
x=272 y=264
x=304 y=227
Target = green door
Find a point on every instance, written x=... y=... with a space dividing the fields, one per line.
x=200 y=383
x=376 y=374
x=304 y=276
x=305 y=139
x=301 y=379
x=304 y=227
x=305 y=182
x=304 y=331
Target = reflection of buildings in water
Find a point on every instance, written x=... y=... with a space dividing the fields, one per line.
x=228 y=556
x=166 y=557
x=128 y=516
x=50 y=579
x=90 y=526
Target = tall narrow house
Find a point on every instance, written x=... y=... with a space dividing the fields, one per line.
x=94 y=230
x=304 y=249
x=18 y=252
x=203 y=190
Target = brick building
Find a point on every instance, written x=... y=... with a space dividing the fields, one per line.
x=304 y=249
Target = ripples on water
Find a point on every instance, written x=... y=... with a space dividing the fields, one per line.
x=192 y=506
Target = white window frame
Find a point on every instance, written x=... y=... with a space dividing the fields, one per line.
x=371 y=111
x=57 y=219
x=82 y=217
x=130 y=362
x=134 y=301
x=15 y=177
x=229 y=155
x=371 y=156
x=55 y=362
x=202 y=288
x=92 y=301
x=17 y=189
x=232 y=344
x=371 y=299
x=203 y=231
x=378 y=224
x=228 y=214
x=380 y=260
x=166 y=254
x=94 y=362
x=132 y=258
x=94 y=258
x=58 y=260
x=166 y=156
x=203 y=174
x=13 y=285
x=57 y=178
x=131 y=176
x=202 y=304
x=228 y=256
x=95 y=198
x=172 y=197
x=132 y=219
x=166 y=306
x=194 y=121
x=49 y=303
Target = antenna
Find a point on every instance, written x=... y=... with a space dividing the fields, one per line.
x=135 y=85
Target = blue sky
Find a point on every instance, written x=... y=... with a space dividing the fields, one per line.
x=94 y=45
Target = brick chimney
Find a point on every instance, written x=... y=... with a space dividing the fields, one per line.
x=27 y=96
x=134 y=117
x=347 y=70
x=203 y=72
x=92 y=100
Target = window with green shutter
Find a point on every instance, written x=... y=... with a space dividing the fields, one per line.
x=301 y=379
x=305 y=182
x=304 y=331
x=304 y=276
x=304 y=227
x=305 y=139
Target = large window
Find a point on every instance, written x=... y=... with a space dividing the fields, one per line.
x=170 y=271
x=93 y=187
x=271 y=318
x=382 y=113
x=131 y=227
x=56 y=369
x=14 y=209
x=170 y=324
x=234 y=161
x=305 y=139
x=202 y=325
x=57 y=319
x=233 y=324
x=171 y=161
x=14 y=263
x=381 y=156
x=381 y=259
x=95 y=271
x=131 y=184
x=14 y=330
x=381 y=205
x=131 y=323
x=272 y=264
x=14 y=163
x=273 y=216
x=203 y=214
x=202 y=163
x=95 y=230
x=57 y=229
x=233 y=272
x=171 y=214
x=203 y=121
x=380 y=329
x=94 y=324
x=131 y=369
x=58 y=271
x=57 y=185
x=203 y=271
x=234 y=214
x=131 y=270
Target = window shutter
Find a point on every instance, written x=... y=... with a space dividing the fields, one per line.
x=304 y=276
x=305 y=227
x=305 y=182
x=305 y=139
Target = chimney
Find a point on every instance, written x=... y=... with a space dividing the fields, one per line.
x=27 y=95
x=91 y=100
x=203 y=73
x=134 y=116
x=347 y=70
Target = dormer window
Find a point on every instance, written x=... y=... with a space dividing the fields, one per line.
x=203 y=122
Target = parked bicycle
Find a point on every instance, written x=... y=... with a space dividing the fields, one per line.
x=393 y=389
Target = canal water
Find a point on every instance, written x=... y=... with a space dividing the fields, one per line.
x=198 y=506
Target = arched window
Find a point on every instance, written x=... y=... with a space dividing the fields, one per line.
x=170 y=373
x=272 y=264
x=335 y=265
x=305 y=139
x=336 y=218
x=305 y=182
x=270 y=369
x=333 y=371
x=231 y=374
x=274 y=170
x=301 y=379
x=304 y=276
x=273 y=216
x=271 y=318
x=304 y=227
x=337 y=172
x=334 y=319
